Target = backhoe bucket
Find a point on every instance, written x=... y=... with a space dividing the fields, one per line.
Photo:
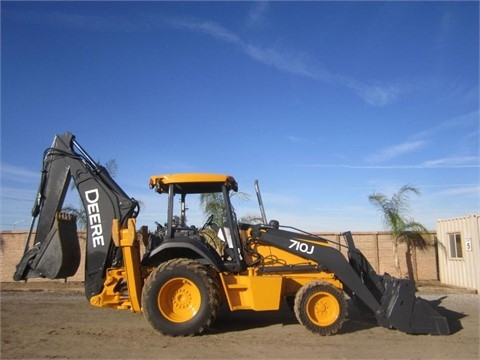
x=402 y=310
x=57 y=256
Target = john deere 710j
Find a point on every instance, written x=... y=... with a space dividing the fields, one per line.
x=187 y=272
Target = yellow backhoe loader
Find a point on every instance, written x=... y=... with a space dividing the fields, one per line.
x=187 y=272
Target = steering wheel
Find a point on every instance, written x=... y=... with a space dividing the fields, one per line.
x=208 y=222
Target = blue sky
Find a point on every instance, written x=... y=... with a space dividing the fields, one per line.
x=323 y=102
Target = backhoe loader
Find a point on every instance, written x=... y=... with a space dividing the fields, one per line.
x=185 y=273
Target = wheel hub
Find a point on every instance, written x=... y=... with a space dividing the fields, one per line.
x=179 y=300
x=323 y=309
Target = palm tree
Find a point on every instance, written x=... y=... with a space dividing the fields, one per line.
x=395 y=217
x=212 y=204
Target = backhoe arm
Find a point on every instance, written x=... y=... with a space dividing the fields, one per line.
x=56 y=243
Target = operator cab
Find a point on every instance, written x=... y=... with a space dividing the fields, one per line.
x=220 y=230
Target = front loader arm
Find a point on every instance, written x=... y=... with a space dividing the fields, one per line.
x=315 y=248
x=103 y=201
x=391 y=300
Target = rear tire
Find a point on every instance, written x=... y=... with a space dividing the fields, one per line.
x=320 y=307
x=180 y=298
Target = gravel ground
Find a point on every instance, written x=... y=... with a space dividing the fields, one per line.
x=54 y=320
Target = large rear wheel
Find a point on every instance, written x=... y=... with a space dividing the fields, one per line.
x=320 y=307
x=180 y=298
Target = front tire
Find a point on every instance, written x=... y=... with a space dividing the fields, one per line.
x=180 y=298
x=320 y=307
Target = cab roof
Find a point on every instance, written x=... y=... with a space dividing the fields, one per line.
x=192 y=183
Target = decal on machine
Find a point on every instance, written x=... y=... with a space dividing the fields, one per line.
x=301 y=246
x=94 y=220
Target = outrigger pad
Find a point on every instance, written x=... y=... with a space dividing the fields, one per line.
x=57 y=257
x=400 y=309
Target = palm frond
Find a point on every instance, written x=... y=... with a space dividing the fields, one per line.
x=212 y=204
x=395 y=215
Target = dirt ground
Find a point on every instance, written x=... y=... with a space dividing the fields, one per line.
x=56 y=321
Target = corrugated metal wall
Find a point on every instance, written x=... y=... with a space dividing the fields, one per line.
x=460 y=271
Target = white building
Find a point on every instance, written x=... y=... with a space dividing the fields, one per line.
x=459 y=251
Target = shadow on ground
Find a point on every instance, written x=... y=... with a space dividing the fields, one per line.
x=356 y=321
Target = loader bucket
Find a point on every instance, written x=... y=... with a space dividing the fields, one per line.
x=57 y=256
x=399 y=307
x=402 y=310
